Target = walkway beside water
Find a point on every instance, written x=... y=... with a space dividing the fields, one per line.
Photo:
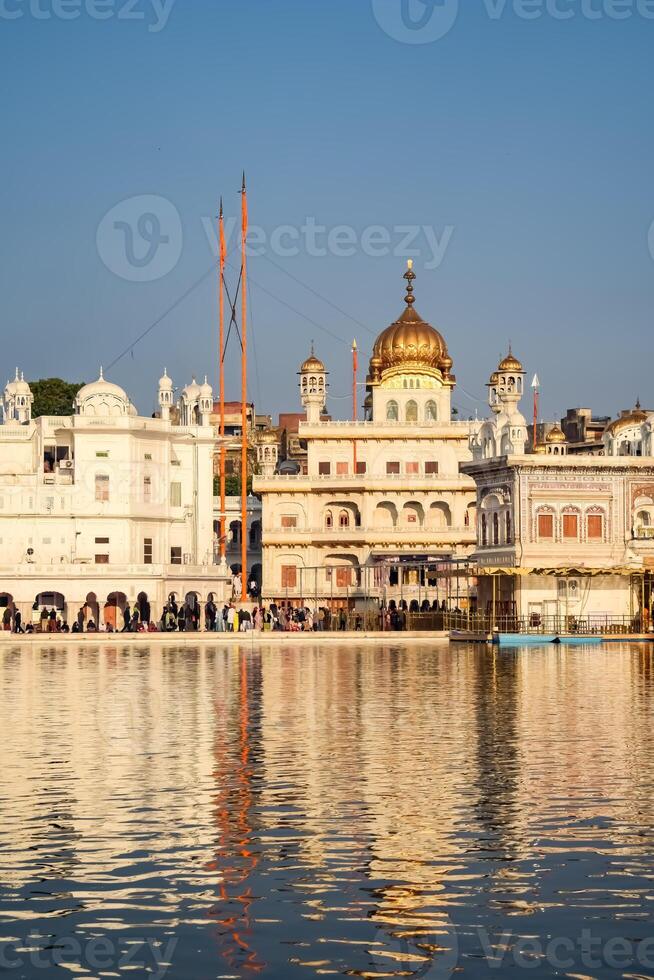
x=251 y=638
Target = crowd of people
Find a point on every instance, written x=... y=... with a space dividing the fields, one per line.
x=233 y=617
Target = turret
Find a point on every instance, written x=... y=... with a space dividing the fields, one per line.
x=165 y=395
x=313 y=387
x=268 y=452
x=205 y=402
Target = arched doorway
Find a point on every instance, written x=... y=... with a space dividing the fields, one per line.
x=7 y=609
x=91 y=609
x=193 y=611
x=255 y=576
x=113 y=609
x=143 y=607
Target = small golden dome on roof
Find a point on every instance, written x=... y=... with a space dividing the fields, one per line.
x=269 y=436
x=635 y=417
x=510 y=363
x=539 y=449
x=555 y=436
x=312 y=364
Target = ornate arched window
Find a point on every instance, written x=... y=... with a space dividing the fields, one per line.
x=329 y=520
x=431 y=412
x=496 y=528
x=484 y=530
x=344 y=519
x=508 y=528
x=392 y=411
x=412 y=411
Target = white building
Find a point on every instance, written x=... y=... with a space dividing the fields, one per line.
x=560 y=537
x=105 y=506
x=380 y=494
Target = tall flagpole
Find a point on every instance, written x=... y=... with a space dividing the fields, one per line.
x=244 y=394
x=355 y=368
x=221 y=382
x=535 y=384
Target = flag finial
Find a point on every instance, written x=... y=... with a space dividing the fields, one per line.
x=409 y=275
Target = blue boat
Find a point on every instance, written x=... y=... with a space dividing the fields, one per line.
x=523 y=639
x=538 y=639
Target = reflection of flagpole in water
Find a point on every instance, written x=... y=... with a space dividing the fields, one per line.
x=235 y=861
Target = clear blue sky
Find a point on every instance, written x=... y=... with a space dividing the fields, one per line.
x=531 y=140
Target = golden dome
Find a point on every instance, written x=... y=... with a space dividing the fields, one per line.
x=636 y=417
x=269 y=436
x=313 y=364
x=510 y=363
x=539 y=449
x=410 y=342
x=555 y=436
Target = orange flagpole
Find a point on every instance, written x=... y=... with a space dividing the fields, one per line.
x=355 y=368
x=244 y=393
x=221 y=381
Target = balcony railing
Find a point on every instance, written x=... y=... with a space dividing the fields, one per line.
x=593 y=624
x=644 y=534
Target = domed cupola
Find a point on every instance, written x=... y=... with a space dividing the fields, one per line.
x=410 y=345
x=102 y=398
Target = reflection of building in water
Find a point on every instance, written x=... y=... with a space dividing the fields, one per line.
x=320 y=794
x=236 y=753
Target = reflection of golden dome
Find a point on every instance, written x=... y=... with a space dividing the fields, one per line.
x=510 y=363
x=410 y=342
x=555 y=436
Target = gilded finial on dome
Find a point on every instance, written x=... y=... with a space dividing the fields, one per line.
x=409 y=275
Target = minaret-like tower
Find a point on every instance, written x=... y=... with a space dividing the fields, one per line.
x=493 y=396
x=206 y=402
x=313 y=387
x=165 y=395
x=18 y=401
x=510 y=384
x=268 y=452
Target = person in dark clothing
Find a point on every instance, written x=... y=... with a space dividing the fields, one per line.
x=127 y=619
x=80 y=621
x=18 y=622
x=342 y=621
x=181 y=620
x=52 y=622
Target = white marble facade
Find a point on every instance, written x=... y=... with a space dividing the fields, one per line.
x=104 y=506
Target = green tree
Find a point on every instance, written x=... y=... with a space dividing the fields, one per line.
x=53 y=396
x=232 y=486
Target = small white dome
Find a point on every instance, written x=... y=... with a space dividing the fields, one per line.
x=21 y=386
x=102 y=398
x=192 y=391
x=206 y=390
x=166 y=382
